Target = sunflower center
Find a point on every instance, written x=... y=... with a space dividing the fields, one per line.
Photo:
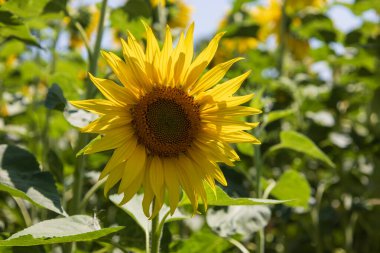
x=166 y=121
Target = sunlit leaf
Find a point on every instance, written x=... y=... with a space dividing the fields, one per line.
x=294 y=186
x=301 y=143
x=276 y=115
x=21 y=176
x=70 y=229
x=242 y=220
x=220 y=198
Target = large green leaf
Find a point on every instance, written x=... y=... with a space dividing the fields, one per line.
x=301 y=143
x=21 y=176
x=242 y=220
x=220 y=198
x=70 y=229
x=25 y=8
x=293 y=185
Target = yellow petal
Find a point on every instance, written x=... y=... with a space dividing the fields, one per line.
x=98 y=106
x=109 y=141
x=172 y=183
x=113 y=92
x=156 y=173
x=226 y=89
x=212 y=77
x=201 y=62
x=134 y=166
x=107 y=123
x=240 y=136
x=113 y=178
x=120 y=155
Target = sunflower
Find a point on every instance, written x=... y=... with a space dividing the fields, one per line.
x=168 y=124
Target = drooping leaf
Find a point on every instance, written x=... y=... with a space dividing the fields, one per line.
x=301 y=143
x=55 y=100
x=220 y=198
x=134 y=209
x=62 y=230
x=293 y=185
x=21 y=176
x=242 y=220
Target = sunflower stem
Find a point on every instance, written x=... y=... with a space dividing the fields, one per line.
x=84 y=138
x=95 y=53
x=155 y=235
x=281 y=39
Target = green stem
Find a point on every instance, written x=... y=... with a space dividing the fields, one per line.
x=281 y=39
x=91 y=91
x=84 y=138
x=155 y=235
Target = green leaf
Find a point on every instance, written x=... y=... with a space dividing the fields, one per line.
x=301 y=143
x=220 y=198
x=242 y=220
x=55 y=100
x=134 y=209
x=276 y=115
x=293 y=185
x=21 y=176
x=202 y=241
x=70 y=229
x=25 y=8
x=245 y=148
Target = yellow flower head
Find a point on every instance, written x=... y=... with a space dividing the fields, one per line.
x=168 y=124
x=155 y=3
x=180 y=15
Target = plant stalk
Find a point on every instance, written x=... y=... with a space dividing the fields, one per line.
x=84 y=138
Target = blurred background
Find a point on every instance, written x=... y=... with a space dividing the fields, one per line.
x=316 y=75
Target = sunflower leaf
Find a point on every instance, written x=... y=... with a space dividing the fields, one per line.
x=293 y=185
x=21 y=176
x=301 y=143
x=220 y=198
x=62 y=230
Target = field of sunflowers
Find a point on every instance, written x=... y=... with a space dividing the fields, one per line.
x=123 y=130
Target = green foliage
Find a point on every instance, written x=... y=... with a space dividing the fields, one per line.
x=22 y=177
x=292 y=186
x=320 y=132
x=70 y=229
x=299 y=142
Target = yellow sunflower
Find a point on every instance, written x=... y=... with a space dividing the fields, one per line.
x=168 y=124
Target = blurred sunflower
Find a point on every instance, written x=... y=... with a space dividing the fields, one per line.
x=168 y=124
x=269 y=19
x=88 y=18
x=179 y=14
x=293 y=6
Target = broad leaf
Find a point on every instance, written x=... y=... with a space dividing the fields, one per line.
x=220 y=198
x=242 y=220
x=301 y=143
x=21 y=176
x=70 y=229
x=276 y=115
x=55 y=100
x=293 y=185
